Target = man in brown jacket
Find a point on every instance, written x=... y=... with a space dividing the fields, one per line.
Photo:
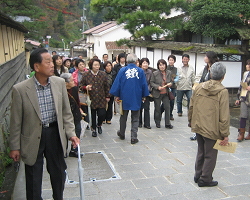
x=209 y=118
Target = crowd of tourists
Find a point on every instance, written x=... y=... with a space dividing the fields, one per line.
x=46 y=110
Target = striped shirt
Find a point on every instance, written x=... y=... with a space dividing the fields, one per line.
x=46 y=102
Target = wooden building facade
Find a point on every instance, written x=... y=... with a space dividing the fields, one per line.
x=13 y=68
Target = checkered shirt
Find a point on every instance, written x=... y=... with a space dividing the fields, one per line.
x=46 y=102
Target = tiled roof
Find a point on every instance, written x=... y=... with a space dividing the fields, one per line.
x=6 y=20
x=113 y=46
x=100 y=28
x=190 y=47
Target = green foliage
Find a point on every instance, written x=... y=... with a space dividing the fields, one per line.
x=55 y=43
x=217 y=18
x=123 y=42
x=21 y=8
x=73 y=31
x=232 y=51
x=60 y=19
x=51 y=17
x=143 y=18
x=36 y=29
x=186 y=48
x=1 y=177
x=5 y=160
x=26 y=8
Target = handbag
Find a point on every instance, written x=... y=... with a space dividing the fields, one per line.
x=170 y=95
x=150 y=97
x=83 y=98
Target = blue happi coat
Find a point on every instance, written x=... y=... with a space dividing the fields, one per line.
x=130 y=85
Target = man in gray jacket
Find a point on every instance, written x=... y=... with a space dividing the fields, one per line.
x=185 y=83
x=40 y=126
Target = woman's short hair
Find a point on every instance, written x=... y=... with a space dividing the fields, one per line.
x=172 y=56
x=106 y=63
x=163 y=62
x=66 y=77
x=218 y=71
x=92 y=61
x=78 y=61
x=248 y=62
x=144 y=59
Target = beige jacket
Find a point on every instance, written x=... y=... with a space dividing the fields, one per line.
x=185 y=81
x=26 y=124
x=209 y=110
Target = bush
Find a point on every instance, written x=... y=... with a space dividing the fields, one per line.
x=5 y=160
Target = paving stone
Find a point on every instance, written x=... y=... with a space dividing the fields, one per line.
x=132 y=175
x=140 y=166
x=235 y=190
x=141 y=193
x=171 y=197
x=159 y=172
x=180 y=178
x=184 y=168
x=206 y=193
x=117 y=186
x=150 y=182
x=239 y=170
x=159 y=167
x=241 y=197
x=224 y=164
x=90 y=188
x=47 y=194
x=178 y=188
x=72 y=192
x=122 y=161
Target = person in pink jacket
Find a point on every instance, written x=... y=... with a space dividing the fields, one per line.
x=80 y=68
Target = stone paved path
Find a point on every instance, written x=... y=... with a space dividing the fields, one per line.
x=160 y=166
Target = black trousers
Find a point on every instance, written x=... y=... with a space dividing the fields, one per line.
x=101 y=113
x=50 y=148
x=109 y=112
x=146 y=108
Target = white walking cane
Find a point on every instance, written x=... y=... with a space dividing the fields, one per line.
x=80 y=173
x=89 y=109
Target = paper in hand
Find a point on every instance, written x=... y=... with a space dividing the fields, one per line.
x=244 y=91
x=194 y=86
x=230 y=148
x=121 y=108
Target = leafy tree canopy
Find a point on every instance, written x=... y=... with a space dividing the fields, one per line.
x=26 y=8
x=21 y=8
x=217 y=18
x=143 y=18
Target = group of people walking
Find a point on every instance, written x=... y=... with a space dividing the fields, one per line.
x=46 y=111
x=163 y=85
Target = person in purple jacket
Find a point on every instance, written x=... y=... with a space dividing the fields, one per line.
x=130 y=86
